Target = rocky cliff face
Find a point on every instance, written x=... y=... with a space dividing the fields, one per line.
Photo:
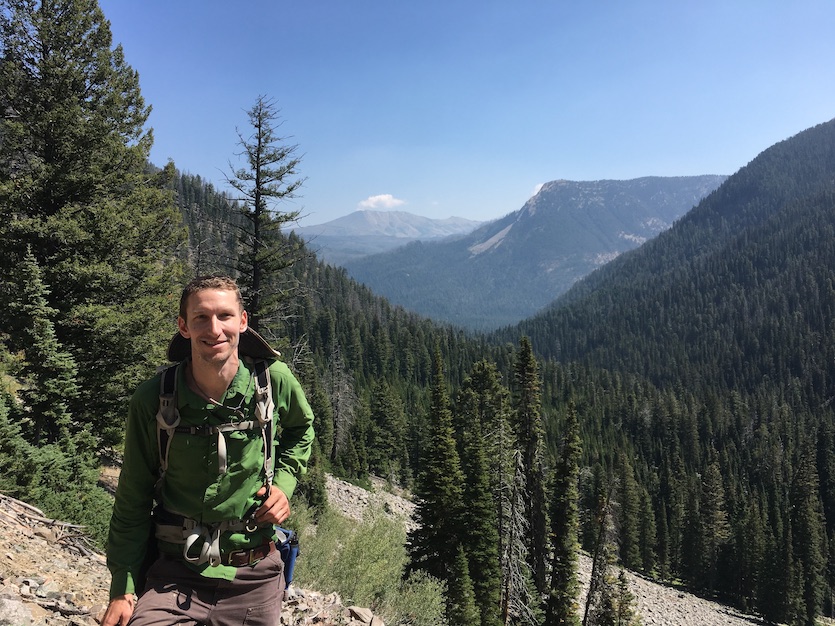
x=50 y=577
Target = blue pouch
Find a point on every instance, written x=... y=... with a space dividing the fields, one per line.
x=289 y=549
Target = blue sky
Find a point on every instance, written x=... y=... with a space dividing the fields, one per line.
x=462 y=108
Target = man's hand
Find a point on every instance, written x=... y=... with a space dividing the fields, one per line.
x=119 y=610
x=275 y=509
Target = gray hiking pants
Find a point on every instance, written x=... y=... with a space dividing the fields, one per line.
x=175 y=594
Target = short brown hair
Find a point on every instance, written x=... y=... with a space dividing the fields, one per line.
x=214 y=281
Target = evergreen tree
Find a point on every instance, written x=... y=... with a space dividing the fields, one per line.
x=628 y=499
x=520 y=603
x=481 y=518
x=808 y=533
x=387 y=455
x=461 y=601
x=15 y=452
x=598 y=608
x=617 y=603
x=562 y=595
x=49 y=372
x=343 y=402
x=647 y=533
x=269 y=176
x=530 y=434
x=76 y=191
x=715 y=528
x=749 y=540
x=439 y=493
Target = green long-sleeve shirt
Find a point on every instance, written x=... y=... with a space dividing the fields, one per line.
x=193 y=486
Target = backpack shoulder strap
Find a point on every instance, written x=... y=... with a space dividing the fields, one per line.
x=264 y=408
x=168 y=417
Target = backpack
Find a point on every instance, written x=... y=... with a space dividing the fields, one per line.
x=255 y=350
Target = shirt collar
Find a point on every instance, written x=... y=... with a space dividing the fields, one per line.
x=242 y=385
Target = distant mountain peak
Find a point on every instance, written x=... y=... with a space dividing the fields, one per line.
x=369 y=231
x=369 y=222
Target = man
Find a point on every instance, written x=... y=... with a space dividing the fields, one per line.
x=217 y=508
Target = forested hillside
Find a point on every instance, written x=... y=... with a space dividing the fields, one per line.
x=672 y=414
x=730 y=316
x=737 y=296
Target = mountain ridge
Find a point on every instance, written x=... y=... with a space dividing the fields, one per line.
x=772 y=218
x=510 y=268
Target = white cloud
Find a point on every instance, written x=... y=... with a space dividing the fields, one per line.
x=537 y=188
x=382 y=201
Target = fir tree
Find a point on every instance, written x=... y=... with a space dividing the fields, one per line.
x=75 y=189
x=530 y=434
x=387 y=438
x=715 y=528
x=807 y=531
x=520 y=603
x=461 y=601
x=49 y=372
x=562 y=595
x=439 y=496
x=628 y=500
x=480 y=516
x=269 y=176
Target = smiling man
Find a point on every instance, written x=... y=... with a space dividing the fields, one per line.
x=202 y=442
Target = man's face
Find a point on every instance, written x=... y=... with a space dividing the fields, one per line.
x=214 y=323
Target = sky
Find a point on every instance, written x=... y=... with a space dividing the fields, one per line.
x=464 y=108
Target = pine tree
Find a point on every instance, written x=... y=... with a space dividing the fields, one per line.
x=562 y=595
x=530 y=434
x=461 y=601
x=480 y=516
x=75 y=189
x=387 y=440
x=269 y=176
x=807 y=531
x=50 y=373
x=439 y=493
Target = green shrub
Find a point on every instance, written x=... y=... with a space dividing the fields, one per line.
x=61 y=481
x=364 y=563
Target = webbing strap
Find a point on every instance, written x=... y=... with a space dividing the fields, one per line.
x=168 y=418
x=264 y=408
x=213 y=430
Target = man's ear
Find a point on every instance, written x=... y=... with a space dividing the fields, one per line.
x=181 y=325
x=244 y=321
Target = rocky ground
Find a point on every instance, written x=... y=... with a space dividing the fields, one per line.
x=49 y=578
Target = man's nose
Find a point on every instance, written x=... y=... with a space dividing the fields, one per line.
x=215 y=325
